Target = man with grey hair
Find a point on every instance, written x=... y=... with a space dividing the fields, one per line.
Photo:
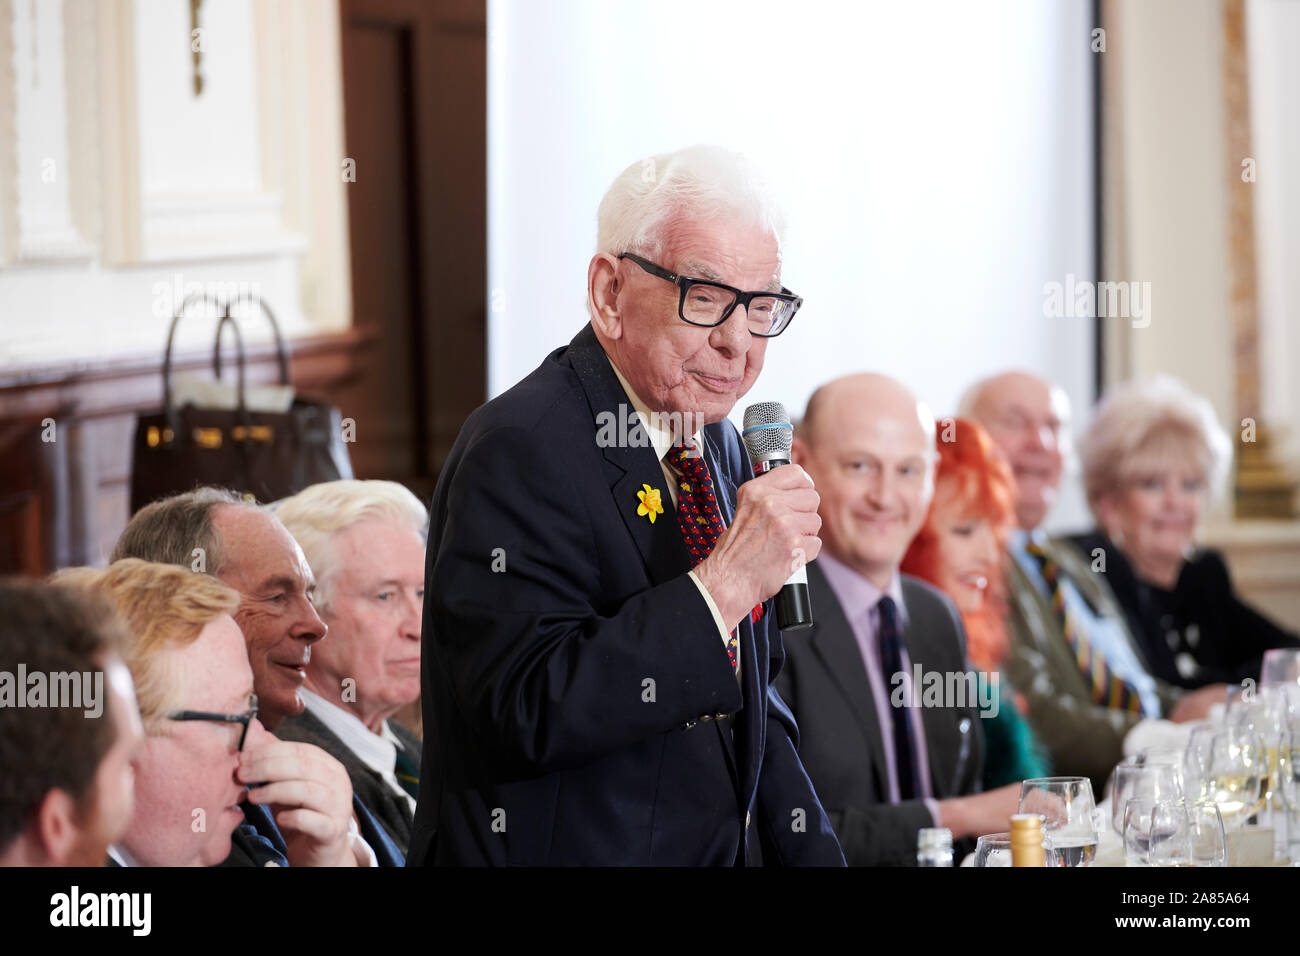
x=364 y=541
x=1072 y=656
x=598 y=659
x=214 y=531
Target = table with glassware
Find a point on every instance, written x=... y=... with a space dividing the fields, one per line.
x=1223 y=792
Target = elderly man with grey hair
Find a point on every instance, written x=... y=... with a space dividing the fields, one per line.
x=599 y=656
x=364 y=541
x=1086 y=682
x=1153 y=458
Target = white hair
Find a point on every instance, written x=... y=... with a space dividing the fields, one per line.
x=701 y=182
x=1142 y=426
x=315 y=514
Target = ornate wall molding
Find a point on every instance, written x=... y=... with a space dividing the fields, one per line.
x=46 y=230
x=8 y=138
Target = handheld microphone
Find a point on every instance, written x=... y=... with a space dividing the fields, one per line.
x=769 y=436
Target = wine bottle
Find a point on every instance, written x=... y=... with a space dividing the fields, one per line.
x=1027 y=840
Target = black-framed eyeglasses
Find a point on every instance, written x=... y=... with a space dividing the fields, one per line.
x=244 y=719
x=707 y=303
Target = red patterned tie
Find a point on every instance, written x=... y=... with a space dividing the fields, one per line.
x=699 y=517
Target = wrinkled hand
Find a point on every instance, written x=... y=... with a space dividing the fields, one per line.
x=774 y=533
x=310 y=796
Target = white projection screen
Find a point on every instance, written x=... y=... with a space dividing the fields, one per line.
x=935 y=160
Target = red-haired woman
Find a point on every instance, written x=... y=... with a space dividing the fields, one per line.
x=960 y=550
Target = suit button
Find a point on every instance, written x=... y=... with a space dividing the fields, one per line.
x=748 y=820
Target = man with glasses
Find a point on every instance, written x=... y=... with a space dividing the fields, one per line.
x=195 y=692
x=598 y=655
x=307 y=805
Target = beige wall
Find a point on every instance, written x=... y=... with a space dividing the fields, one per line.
x=126 y=184
x=1167 y=177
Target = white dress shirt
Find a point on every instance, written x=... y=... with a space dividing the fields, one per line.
x=378 y=751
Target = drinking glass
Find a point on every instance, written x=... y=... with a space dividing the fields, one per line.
x=1196 y=760
x=1152 y=782
x=1207 y=839
x=1288 y=770
x=1070 y=819
x=1280 y=666
x=1170 y=839
x=1136 y=831
x=993 y=849
x=1155 y=757
x=1238 y=775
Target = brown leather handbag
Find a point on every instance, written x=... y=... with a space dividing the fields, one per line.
x=268 y=455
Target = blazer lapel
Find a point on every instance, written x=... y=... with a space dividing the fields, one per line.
x=630 y=461
x=630 y=465
x=832 y=639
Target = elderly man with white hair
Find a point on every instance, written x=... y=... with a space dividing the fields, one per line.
x=364 y=541
x=599 y=653
x=1153 y=458
x=1086 y=682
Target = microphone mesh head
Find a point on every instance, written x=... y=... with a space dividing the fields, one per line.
x=767 y=432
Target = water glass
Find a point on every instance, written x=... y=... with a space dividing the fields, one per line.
x=1071 y=821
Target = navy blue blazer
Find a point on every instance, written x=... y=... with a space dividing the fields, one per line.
x=258 y=840
x=572 y=671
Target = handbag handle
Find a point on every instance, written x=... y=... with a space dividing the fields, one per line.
x=227 y=319
x=169 y=408
x=171 y=337
x=281 y=355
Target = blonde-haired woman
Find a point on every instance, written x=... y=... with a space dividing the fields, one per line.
x=1153 y=458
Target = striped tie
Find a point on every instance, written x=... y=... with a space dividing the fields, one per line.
x=1107 y=688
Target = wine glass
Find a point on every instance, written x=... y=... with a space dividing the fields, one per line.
x=1071 y=822
x=1170 y=838
x=1263 y=713
x=1152 y=782
x=1288 y=770
x=1136 y=831
x=1155 y=757
x=1207 y=840
x=1238 y=774
x=993 y=849
x=1280 y=666
x=1196 y=760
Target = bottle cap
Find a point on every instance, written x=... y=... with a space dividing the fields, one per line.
x=934 y=838
x=1026 y=822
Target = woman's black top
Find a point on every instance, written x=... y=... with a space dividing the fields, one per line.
x=1200 y=632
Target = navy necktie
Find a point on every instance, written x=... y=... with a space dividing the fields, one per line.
x=408 y=775
x=891 y=661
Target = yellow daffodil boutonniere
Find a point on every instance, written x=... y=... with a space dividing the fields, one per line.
x=651 y=505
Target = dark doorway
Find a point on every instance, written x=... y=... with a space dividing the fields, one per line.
x=415 y=102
